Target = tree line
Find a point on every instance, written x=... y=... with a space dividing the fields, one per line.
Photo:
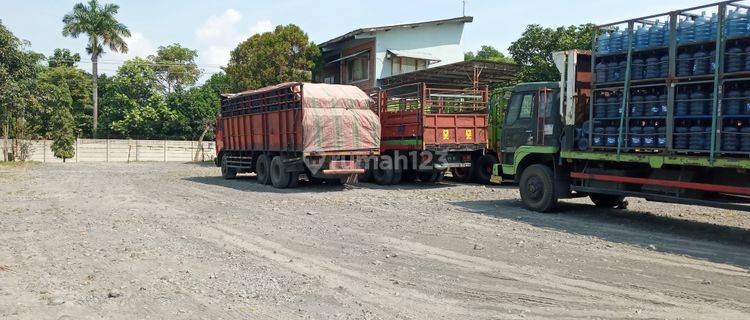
x=157 y=97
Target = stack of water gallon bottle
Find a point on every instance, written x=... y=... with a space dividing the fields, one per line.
x=736 y=111
x=647 y=113
x=611 y=68
x=646 y=126
x=607 y=112
x=693 y=105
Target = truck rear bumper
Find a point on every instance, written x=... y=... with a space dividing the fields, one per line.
x=343 y=171
x=343 y=167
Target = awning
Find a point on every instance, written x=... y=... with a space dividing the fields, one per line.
x=463 y=73
x=349 y=56
x=413 y=55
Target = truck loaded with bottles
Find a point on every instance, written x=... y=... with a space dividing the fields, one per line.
x=658 y=110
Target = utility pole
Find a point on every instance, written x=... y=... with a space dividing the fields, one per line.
x=463 y=8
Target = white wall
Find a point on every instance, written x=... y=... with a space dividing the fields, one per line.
x=104 y=150
x=440 y=41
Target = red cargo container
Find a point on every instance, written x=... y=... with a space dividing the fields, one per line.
x=434 y=128
x=282 y=131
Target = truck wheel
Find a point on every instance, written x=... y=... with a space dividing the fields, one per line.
x=279 y=177
x=263 y=169
x=484 y=167
x=608 y=201
x=226 y=171
x=385 y=176
x=432 y=176
x=409 y=176
x=365 y=177
x=293 y=180
x=537 y=188
x=462 y=174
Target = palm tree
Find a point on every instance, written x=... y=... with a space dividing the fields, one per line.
x=99 y=23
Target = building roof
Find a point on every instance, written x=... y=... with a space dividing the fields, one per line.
x=459 y=73
x=464 y=19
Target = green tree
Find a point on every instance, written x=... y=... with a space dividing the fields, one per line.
x=286 y=54
x=133 y=106
x=18 y=69
x=78 y=83
x=61 y=128
x=63 y=58
x=196 y=108
x=63 y=134
x=219 y=83
x=175 y=67
x=533 y=50
x=488 y=53
x=102 y=28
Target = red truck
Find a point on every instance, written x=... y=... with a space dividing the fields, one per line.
x=427 y=130
x=280 y=132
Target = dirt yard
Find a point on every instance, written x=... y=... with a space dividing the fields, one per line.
x=175 y=241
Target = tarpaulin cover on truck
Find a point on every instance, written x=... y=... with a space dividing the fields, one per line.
x=338 y=118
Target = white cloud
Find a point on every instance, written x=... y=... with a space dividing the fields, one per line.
x=216 y=55
x=220 y=33
x=138 y=46
x=219 y=26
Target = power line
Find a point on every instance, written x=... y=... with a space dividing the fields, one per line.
x=115 y=62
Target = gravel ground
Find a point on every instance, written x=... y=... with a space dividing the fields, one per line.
x=175 y=241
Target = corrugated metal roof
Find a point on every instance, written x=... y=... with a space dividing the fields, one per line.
x=459 y=73
x=413 y=54
x=465 y=19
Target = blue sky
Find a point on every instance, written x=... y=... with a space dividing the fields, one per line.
x=215 y=27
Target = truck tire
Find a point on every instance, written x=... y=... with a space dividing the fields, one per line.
x=293 y=180
x=382 y=176
x=408 y=176
x=537 y=188
x=365 y=177
x=263 y=169
x=279 y=177
x=432 y=176
x=386 y=176
x=484 y=165
x=462 y=174
x=608 y=201
x=226 y=171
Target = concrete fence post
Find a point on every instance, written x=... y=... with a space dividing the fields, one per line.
x=137 y=150
x=165 y=150
x=44 y=153
x=106 y=150
x=76 y=149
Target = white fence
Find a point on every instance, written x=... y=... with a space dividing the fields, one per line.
x=111 y=150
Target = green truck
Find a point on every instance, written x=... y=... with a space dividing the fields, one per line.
x=556 y=140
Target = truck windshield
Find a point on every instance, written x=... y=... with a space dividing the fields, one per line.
x=520 y=106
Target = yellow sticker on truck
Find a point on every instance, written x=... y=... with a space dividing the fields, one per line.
x=446 y=134
x=469 y=134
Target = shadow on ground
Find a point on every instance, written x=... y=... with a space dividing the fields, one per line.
x=722 y=244
x=247 y=182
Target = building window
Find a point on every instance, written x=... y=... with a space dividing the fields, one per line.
x=401 y=65
x=358 y=68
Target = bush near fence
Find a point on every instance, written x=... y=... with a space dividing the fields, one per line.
x=119 y=150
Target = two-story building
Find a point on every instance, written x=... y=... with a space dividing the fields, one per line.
x=364 y=56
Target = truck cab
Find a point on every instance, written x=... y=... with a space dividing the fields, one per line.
x=532 y=124
x=541 y=120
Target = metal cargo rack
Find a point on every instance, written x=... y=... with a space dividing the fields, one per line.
x=716 y=81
